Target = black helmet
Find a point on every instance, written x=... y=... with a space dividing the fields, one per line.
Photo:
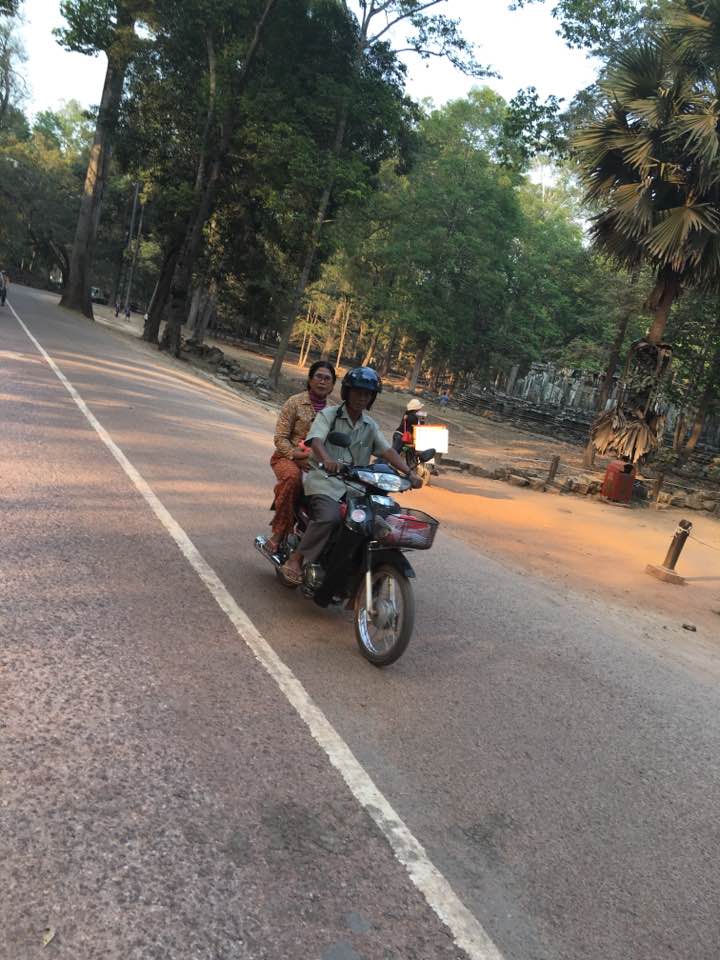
x=361 y=378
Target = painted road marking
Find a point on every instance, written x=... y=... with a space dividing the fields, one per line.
x=467 y=931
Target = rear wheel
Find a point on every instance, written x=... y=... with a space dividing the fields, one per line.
x=383 y=636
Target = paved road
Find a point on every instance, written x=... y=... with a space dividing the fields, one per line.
x=161 y=798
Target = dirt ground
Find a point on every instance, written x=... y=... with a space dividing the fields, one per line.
x=575 y=542
x=482 y=440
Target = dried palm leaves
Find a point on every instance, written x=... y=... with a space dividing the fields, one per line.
x=626 y=436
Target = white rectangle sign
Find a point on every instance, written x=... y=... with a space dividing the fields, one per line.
x=430 y=436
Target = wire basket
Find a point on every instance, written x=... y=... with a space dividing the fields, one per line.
x=411 y=529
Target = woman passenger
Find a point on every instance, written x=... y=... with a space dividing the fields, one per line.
x=291 y=456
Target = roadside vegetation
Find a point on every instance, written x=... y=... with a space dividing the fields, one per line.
x=259 y=168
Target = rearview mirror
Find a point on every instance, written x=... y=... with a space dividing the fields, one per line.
x=338 y=439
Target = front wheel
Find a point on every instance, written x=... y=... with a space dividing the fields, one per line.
x=384 y=635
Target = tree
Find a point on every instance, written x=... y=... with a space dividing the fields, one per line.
x=38 y=189
x=70 y=128
x=432 y=35
x=603 y=27
x=652 y=164
x=95 y=26
x=234 y=62
x=13 y=89
x=694 y=389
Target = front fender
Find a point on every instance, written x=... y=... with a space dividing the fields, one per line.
x=394 y=559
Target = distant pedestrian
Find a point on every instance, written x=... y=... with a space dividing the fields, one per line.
x=4 y=284
x=127 y=313
x=117 y=308
x=444 y=398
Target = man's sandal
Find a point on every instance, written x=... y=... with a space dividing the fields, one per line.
x=291 y=574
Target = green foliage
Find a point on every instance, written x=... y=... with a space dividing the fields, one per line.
x=532 y=128
x=603 y=26
x=651 y=164
x=95 y=26
x=39 y=187
x=70 y=129
x=469 y=261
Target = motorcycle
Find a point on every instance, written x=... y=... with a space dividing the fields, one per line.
x=364 y=565
x=413 y=459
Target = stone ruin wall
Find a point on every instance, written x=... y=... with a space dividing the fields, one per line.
x=562 y=399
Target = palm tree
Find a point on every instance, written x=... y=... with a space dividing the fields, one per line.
x=652 y=166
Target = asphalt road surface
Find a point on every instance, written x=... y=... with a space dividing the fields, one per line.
x=168 y=790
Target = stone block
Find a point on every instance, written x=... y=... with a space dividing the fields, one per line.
x=667 y=576
x=517 y=481
x=537 y=485
x=477 y=471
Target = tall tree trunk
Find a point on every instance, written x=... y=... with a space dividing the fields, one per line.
x=388 y=358
x=370 y=352
x=310 y=252
x=663 y=295
x=331 y=333
x=419 y=357
x=305 y=338
x=161 y=294
x=707 y=397
x=343 y=334
x=206 y=312
x=76 y=295
x=133 y=262
x=195 y=305
x=206 y=187
x=604 y=393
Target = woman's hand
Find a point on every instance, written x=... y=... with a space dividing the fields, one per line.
x=415 y=481
x=300 y=453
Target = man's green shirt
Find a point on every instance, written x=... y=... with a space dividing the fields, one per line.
x=366 y=440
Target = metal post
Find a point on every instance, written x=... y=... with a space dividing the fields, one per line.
x=666 y=571
x=678 y=542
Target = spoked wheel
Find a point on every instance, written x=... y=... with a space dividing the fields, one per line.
x=384 y=635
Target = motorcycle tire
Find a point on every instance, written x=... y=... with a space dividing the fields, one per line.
x=371 y=650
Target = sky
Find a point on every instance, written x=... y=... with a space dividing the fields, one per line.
x=521 y=46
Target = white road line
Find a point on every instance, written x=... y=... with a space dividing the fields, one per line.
x=467 y=931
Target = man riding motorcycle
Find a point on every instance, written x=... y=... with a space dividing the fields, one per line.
x=324 y=490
